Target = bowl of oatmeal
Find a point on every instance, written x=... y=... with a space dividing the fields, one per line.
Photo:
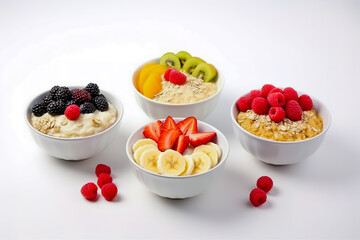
x=284 y=142
x=194 y=98
x=76 y=139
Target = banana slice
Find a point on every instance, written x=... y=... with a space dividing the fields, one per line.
x=143 y=142
x=171 y=163
x=148 y=160
x=211 y=152
x=140 y=150
x=202 y=162
x=216 y=147
x=189 y=168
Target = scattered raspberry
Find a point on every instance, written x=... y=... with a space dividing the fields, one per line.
x=167 y=74
x=305 y=102
x=293 y=110
x=260 y=106
x=254 y=93
x=102 y=168
x=265 y=183
x=177 y=77
x=290 y=94
x=89 y=191
x=274 y=90
x=109 y=191
x=277 y=114
x=257 y=197
x=81 y=96
x=103 y=179
x=72 y=112
x=276 y=99
x=244 y=103
x=266 y=89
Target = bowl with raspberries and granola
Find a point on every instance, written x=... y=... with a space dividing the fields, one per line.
x=74 y=123
x=279 y=125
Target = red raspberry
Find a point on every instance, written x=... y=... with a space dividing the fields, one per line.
x=254 y=94
x=257 y=197
x=177 y=77
x=109 y=191
x=260 y=106
x=167 y=74
x=103 y=179
x=72 y=112
x=81 y=96
x=266 y=89
x=244 y=104
x=305 y=102
x=89 y=191
x=265 y=183
x=290 y=94
x=274 y=90
x=276 y=99
x=277 y=114
x=293 y=110
x=102 y=168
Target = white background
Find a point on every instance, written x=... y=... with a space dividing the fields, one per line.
x=312 y=46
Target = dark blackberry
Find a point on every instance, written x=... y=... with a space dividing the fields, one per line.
x=87 y=107
x=47 y=99
x=39 y=108
x=80 y=96
x=101 y=103
x=63 y=93
x=56 y=107
x=93 y=89
x=69 y=102
x=53 y=91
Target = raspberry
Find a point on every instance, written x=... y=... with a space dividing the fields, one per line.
x=167 y=74
x=293 y=110
x=257 y=197
x=87 y=107
x=260 y=106
x=244 y=104
x=39 y=109
x=177 y=77
x=81 y=96
x=277 y=114
x=89 y=191
x=93 y=89
x=72 y=112
x=103 y=179
x=274 y=90
x=266 y=89
x=305 y=102
x=109 y=191
x=102 y=168
x=56 y=108
x=276 y=99
x=254 y=93
x=101 y=103
x=290 y=94
x=265 y=183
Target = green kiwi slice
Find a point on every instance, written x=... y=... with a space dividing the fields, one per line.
x=204 y=71
x=183 y=56
x=170 y=60
x=191 y=64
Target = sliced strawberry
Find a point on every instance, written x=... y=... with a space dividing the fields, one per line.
x=182 y=143
x=188 y=125
x=168 y=139
x=153 y=130
x=198 y=139
x=169 y=124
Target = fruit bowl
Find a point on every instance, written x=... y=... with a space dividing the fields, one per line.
x=74 y=148
x=157 y=110
x=178 y=187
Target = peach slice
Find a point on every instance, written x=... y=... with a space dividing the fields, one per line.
x=145 y=73
x=152 y=85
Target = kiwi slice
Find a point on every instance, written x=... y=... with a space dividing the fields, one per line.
x=183 y=56
x=191 y=64
x=204 y=71
x=170 y=60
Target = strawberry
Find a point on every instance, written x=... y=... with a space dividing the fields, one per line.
x=182 y=143
x=188 y=125
x=168 y=139
x=198 y=139
x=169 y=124
x=153 y=130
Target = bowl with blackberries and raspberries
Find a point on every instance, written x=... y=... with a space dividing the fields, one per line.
x=279 y=125
x=74 y=122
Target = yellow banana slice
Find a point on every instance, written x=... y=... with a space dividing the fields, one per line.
x=140 y=150
x=211 y=152
x=148 y=160
x=189 y=168
x=202 y=162
x=216 y=147
x=143 y=142
x=171 y=163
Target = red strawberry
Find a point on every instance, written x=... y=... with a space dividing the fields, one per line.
x=168 y=139
x=167 y=74
x=177 y=77
x=169 y=124
x=182 y=143
x=188 y=125
x=153 y=130
x=198 y=139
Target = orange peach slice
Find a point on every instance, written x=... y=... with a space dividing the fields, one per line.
x=152 y=85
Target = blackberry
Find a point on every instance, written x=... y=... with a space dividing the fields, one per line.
x=69 y=102
x=93 y=89
x=101 y=103
x=53 y=91
x=80 y=96
x=63 y=93
x=47 y=99
x=39 y=109
x=56 y=107
x=87 y=107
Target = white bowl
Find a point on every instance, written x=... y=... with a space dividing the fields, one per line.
x=157 y=110
x=276 y=152
x=74 y=148
x=180 y=186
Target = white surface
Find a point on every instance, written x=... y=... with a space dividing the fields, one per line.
x=312 y=46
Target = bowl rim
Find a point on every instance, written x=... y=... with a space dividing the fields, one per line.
x=233 y=119
x=222 y=159
x=119 y=108
x=220 y=87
